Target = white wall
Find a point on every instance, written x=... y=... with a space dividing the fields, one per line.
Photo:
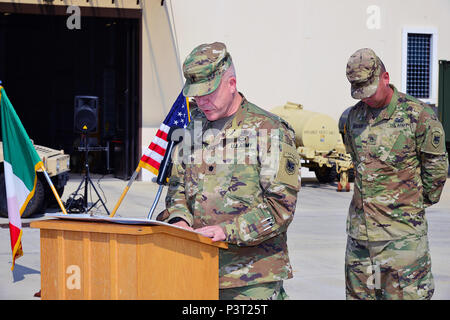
x=297 y=50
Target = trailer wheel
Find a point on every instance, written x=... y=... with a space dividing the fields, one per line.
x=326 y=174
x=34 y=206
x=351 y=175
x=36 y=203
x=3 y=203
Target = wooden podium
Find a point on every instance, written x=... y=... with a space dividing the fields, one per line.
x=99 y=260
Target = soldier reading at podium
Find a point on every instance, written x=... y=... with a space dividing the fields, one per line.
x=237 y=181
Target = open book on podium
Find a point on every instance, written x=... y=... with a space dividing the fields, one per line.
x=99 y=257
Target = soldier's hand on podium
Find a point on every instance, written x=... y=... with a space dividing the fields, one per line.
x=183 y=224
x=215 y=232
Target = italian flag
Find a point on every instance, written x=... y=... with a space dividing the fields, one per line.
x=20 y=164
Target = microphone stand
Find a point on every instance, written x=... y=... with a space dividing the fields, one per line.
x=164 y=169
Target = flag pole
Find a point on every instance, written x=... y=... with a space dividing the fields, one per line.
x=188 y=111
x=149 y=166
x=165 y=168
x=53 y=188
x=133 y=177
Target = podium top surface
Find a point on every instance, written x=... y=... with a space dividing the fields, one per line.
x=85 y=225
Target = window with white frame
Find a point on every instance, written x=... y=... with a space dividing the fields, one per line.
x=419 y=65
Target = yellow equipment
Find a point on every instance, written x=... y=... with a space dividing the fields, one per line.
x=319 y=143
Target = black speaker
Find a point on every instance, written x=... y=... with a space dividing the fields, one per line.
x=85 y=117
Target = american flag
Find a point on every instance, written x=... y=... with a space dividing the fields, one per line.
x=178 y=116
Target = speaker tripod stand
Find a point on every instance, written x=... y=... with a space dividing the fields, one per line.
x=84 y=207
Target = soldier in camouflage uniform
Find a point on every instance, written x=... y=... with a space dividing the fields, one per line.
x=247 y=195
x=398 y=148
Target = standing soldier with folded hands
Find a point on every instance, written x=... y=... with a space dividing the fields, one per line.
x=398 y=149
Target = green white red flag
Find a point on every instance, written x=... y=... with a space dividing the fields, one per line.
x=20 y=164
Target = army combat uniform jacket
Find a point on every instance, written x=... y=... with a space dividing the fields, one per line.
x=400 y=166
x=253 y=200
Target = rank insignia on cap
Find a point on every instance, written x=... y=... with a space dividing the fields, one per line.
x=372 y=138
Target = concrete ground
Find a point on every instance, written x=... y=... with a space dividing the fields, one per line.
x=316 y=239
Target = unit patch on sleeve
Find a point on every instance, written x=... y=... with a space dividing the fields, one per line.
x=289 y=166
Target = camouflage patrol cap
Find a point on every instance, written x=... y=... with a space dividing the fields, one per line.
x=204 y=67
x=363 y=72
